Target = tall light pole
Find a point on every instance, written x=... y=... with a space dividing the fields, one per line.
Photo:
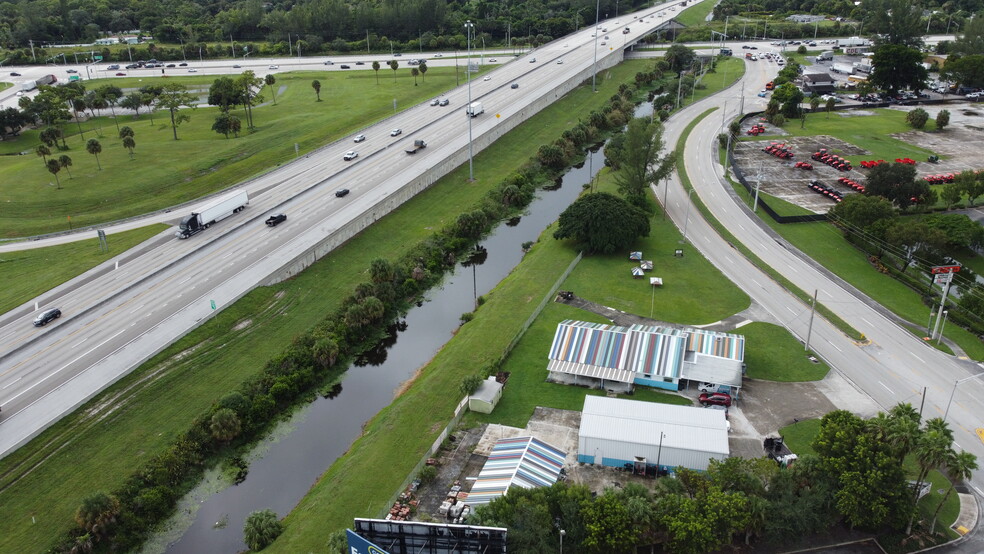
x=955 y=383
x=686 y=222
x=562 y=533
x=469 y=26
x=594 y=65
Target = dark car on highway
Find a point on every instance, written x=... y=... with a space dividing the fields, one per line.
x=715 y=398
x=341 y=192
x=276 y=219
x=47 y=317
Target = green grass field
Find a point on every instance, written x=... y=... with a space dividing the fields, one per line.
x=157 y=401
x=870 y=132
x=696 y=14
x=28 y=273
x=774 y=354
x=165 y=172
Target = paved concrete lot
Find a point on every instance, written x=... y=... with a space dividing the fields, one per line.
x=959 y=145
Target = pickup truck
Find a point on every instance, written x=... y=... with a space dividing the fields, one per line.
x=417 y=145
x=276 y=219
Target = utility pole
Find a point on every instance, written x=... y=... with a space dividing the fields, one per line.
x=290 y=47
x=813 y=311
x=31 y=42
x=232 y=46
x=469 y=27
x=367 y=43
x=594 y=65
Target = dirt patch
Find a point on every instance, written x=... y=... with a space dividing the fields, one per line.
x=242 y=325
x=404 y=386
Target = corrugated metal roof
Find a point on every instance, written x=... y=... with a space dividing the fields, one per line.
x=640 y=348
x=714 y=343
x=639 y=422
x=522 y=461
x=587 y=370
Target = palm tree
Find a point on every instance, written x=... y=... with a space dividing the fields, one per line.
x=270 y=80
x=903 y=436
x=54 y=167
x=414 y=71
x=959 y=467
x=43 y=151
x=423 y=69
x=931 y=451
x=129 y=144
x=78 y=105
x=375 y=67
x=814 y=103
x=225 y=425
x=97 y=512
x=66 y=162
x=47 y=137
x=830 y=106
x=261 y=529
x=316 y=85
x=904 y=410
x=394 y=65
x=879 y=427
x=111 y=95
x=93 y=147
x=126 y=131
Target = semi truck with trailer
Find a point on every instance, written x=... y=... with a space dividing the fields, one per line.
x=475 y=109
x=215 y=210
x=844 y=68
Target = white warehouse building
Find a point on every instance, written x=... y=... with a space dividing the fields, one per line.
x=639 y=435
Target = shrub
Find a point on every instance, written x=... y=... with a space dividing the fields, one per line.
x=261 y=529
x=469 y=384
x=917 y=118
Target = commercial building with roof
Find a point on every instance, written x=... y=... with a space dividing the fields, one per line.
x=521 y=462
x=629 y=433
x=618 y=358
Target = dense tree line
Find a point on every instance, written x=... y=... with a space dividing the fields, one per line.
x=855 y=479
x=315 y=21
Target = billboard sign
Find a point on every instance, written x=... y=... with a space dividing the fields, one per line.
x=359 y=545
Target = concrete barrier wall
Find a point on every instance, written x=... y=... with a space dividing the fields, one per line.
x=431 y=175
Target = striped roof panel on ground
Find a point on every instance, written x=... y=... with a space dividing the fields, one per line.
x=522 y=461
x=713 y=343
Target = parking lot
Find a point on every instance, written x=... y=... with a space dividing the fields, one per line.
x=958 y=145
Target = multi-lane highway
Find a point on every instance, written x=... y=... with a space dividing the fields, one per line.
x=125 y=314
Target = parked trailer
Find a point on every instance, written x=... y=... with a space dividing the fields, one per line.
x=29 y=85
x=47 y=80
x=214 y=211
x=853 y=41
x=844 y=68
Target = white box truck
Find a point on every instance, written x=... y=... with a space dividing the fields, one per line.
x=29 y=85
x=825 y=57
x=844 y=68
x=216 y=210
x=853 y=41
x=475 y=109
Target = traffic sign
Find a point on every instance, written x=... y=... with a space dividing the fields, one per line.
x=945 y=269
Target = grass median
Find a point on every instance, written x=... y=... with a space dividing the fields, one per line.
x=142 y=414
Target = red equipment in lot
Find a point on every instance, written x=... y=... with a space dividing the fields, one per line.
x=868 y=164
x=779 y=150
x=756 y=130
x=833 y=160
x=803 y=165
x=939 y=179
x=908 y=161
x=851 y=183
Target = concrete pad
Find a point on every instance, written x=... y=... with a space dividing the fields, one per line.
x=969 y=512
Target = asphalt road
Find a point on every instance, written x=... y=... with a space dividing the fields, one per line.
x=116 y=317
x=896 y=365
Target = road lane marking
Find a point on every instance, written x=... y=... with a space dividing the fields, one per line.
x=866 y=321
x=918 y=358
x=886 y=387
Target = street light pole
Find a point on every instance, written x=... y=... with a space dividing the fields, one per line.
x=471 y=171
x=594 y=65
x=659 y=453
x=562 y=533
x=686 y=222
x=952 y=392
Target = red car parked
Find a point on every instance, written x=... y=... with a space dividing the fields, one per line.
x=715 y=398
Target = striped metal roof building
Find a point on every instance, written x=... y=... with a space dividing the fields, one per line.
x=523 y=462
x=648 y=355
x=599 y=349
